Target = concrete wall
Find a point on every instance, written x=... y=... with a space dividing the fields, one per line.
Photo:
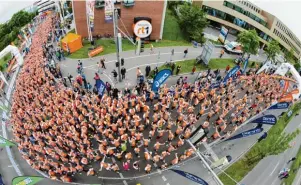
x=151 y=9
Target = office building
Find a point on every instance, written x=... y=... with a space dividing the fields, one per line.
x=243 y=15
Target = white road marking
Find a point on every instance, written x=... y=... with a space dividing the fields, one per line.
x=11 y=166
x=167 y=184
x=164 y=178
x=156 y=54
x=63 y=65
x=159 y=171
x=112 y=83
x=274 y=169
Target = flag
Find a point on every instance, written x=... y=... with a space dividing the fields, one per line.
x=160 y=78
x=246 y=133
x=231 y=73
x=280 y=105
x=191 y=177
x=267 y=119
x=101 y=87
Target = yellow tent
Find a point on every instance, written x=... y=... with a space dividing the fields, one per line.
x=72 y=41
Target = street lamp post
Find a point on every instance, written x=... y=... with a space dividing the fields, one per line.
x=206 y=164
x=115 y=17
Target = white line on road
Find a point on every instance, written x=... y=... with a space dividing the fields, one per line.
x=167 y=184
x=274 y=169
x=109 y=79
x=11 y=166
x=164 y=178
x=63 y=65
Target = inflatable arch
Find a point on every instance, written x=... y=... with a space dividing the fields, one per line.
x=281 y=71
x=15 y=51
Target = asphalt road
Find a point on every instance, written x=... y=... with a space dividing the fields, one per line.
x=132 y=62
x=267 y=170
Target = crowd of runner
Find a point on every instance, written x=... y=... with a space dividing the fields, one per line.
x=62 y=130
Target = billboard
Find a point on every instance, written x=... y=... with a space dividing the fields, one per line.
x=143 y=28
x=267 y=119
x=223 y=34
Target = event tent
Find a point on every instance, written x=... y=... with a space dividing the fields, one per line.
x=72 y=41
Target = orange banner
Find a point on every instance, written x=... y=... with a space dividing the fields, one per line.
x=286 y=84
x=287 y=98
x=95 y=51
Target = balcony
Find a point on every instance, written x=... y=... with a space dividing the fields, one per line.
x=99 y=4
x=128 y=3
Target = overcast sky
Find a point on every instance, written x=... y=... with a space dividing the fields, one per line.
x=288 y=11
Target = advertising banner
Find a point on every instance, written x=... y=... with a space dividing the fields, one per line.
x=267 y=119
x=90 y=4
x=281 y=105
x=223 y=34
x=26 y=180
x=231 y=73
x=190 y=177
x=246 y=133
x=160 y=78
x=109 y=10
x=4 y=142
x=101 y=87
x=287 y=98
x=143 y=29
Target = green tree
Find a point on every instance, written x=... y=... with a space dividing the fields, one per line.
x=272 y=50
x=192 y=21
x=249 y=41
x=289 y=56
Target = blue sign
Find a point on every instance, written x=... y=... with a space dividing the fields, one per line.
x=101 y=87
x=245 y=65
x=267 y=119
x=246 y=133
x=191 y=177
x=281 y=105
x=160 y=78
x=231 y=73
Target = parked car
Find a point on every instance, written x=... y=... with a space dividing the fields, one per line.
x=233 y=47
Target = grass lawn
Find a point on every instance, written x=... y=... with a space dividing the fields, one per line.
x=274 y=144
x=4 y=60
x=109 y=46
x=172 y=30
x=215 y=63
x=294 y=169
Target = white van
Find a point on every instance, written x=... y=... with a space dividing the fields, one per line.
x=233 y=47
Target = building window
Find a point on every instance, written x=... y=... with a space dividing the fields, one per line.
x=99 y=3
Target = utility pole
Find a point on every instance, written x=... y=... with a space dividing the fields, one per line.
x=115 y=17
x=206 y=164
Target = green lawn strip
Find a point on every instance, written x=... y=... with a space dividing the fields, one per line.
x=4 y=60
x=274 y=144
x=187 y=65
x=294 y=169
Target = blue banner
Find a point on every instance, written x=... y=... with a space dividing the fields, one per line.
x=215 y=85
x=191 y=177
x=281 y=105
x=267 y=119
x=231 y=73
x=160 y=78
x=246 y=133
x=101 y=87
x=245 y=66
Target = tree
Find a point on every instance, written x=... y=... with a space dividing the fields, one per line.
x=249 y=41
x=272 y=50
x=192 y=21
x=289 y=56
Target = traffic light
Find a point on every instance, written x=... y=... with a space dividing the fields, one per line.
x=122 y=61
x=142 y=46
x=117 y=64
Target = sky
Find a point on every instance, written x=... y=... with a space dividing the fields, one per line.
x=288 y=11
